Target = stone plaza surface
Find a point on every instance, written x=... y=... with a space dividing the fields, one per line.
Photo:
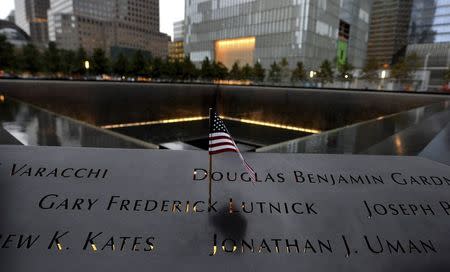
x=77 y=209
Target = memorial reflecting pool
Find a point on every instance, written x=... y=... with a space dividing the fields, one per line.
x=262 y=119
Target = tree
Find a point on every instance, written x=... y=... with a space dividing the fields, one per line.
x=69 y=62
x=155 y=68
x=345 y=71
x=178 y=69
x=220 y=71
x=275 y=73
x=138 y=64
x=168 y=70
x=121 y=66
x=207 y=71
x=247 y=72
x=284 y=66
x=259 y=73
x=52 y=59
x=447 y=76
x=235 y=72
x=80 y=58
x=325 y=73
x=31 y=59
x=370 y=70
x=7 y=56
x=299 y=73
x=404 y=69
x=100 y=63
x=189 y=71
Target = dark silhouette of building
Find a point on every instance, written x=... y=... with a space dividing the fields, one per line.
x=14 y=34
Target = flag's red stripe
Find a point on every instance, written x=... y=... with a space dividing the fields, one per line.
x=223 y=151
x=250 y=171
x=223 y=148
x=220 y=138
x=221 y=144
x=225 y=143
x=249 y=168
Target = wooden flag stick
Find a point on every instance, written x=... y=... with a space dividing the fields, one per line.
x=210 y=167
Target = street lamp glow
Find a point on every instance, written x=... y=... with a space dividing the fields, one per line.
x=311 y=74
x=383 y=74
x=346 y=76
x=86 y=64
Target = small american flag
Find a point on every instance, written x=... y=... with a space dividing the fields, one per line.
x=220 y=141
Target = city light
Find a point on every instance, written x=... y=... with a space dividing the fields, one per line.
x=383 y=74
x=86 y=65
x=273 y=125
x=233 y=82
x=199 y=118
x=311 y=74
x=399 y=145
x=157 y=122
x=240 y=42
x=39 y=20
x=230 y=50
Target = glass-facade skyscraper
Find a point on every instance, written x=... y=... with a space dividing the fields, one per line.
x=430 y=21
x=265 y=31
x=176 y=47
x=178 y=31
x=429 y=38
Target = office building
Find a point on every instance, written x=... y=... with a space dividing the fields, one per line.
x=388 y=34
x=176 y=47
x=31 y=16
x=178 y=31
x=113 y=25
x=265 y=31
x=176 y=51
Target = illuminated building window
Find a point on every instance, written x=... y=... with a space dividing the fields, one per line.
x=231 y=50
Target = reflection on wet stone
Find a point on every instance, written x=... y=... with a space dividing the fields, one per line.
x=230 y=225
x=31 y=125
x=46 y=130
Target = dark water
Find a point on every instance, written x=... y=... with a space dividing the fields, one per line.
x=195 y=132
